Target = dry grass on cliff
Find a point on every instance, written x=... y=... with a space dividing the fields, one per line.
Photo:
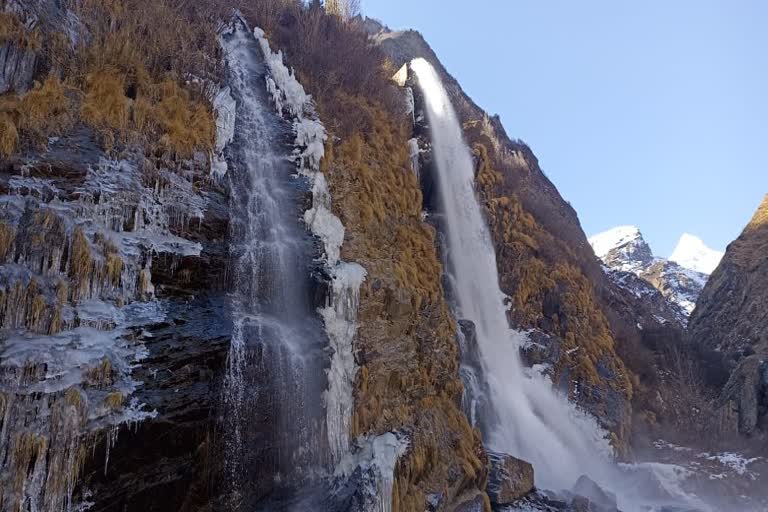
x=550 y=292
x=334 y=60
x=138 y=74
x=12 y=30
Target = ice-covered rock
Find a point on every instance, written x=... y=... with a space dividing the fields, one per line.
x=509 y=478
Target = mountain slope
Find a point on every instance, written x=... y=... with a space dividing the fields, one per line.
x=731 y=318
x=623 y=249
x=732 y=313
x=693 y=254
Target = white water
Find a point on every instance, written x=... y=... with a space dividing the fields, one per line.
x=273 y=410
x=531 y=421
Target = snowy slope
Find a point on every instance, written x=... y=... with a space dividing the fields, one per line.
x=623 y=249
x=693 y=254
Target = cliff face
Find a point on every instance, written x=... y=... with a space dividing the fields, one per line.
x=731 y=317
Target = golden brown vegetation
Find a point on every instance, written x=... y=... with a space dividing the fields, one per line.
x=139 y=74
x=12 y=30
x=406 y=337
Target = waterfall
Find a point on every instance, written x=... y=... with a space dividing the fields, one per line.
x=529 y=420
x=273 y=412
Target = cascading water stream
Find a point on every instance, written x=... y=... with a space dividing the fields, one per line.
x=529 y=420
x=273 y=414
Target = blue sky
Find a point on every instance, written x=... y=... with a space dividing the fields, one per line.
x=649 y=113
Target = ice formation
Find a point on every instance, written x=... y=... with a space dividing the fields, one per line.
x=226 y=111
x=76 y=288
x=340 y=314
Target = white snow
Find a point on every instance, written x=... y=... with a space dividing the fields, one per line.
x=604 y=242
x=692 y=253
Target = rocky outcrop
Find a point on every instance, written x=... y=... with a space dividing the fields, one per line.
x=509 y=479
x=731 y=315
x=601 y=499
x=731 y=318
x=109 y=319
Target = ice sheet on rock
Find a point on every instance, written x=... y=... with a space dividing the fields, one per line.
x=414 y=151
x=328 y=228
x=43 y=189
x=225 y=107
x=375 y=458
x=340 y=318
x=310 y=143
x=67 y=356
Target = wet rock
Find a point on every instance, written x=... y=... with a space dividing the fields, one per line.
x=587 y=488
x=509 y=478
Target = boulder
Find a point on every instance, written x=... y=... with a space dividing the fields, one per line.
x=509 y=478
x=586 y=487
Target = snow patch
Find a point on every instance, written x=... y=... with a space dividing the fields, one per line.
x=604 y=242
x=692 y=253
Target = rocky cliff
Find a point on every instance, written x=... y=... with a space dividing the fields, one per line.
x=624 y=250
x=731 y=318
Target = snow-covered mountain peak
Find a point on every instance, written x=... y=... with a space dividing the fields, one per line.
x=604 y=242
x=622 y=248
x=692 y=253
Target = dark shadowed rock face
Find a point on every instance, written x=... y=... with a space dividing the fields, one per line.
x=731 y=317
x=509 y=478
x=732 y=312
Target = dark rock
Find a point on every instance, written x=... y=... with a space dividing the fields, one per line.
x=472 y=503
x=435 y=501
x=731 y=318
x=582 y=504
x=509 y=478
x=604 y=500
